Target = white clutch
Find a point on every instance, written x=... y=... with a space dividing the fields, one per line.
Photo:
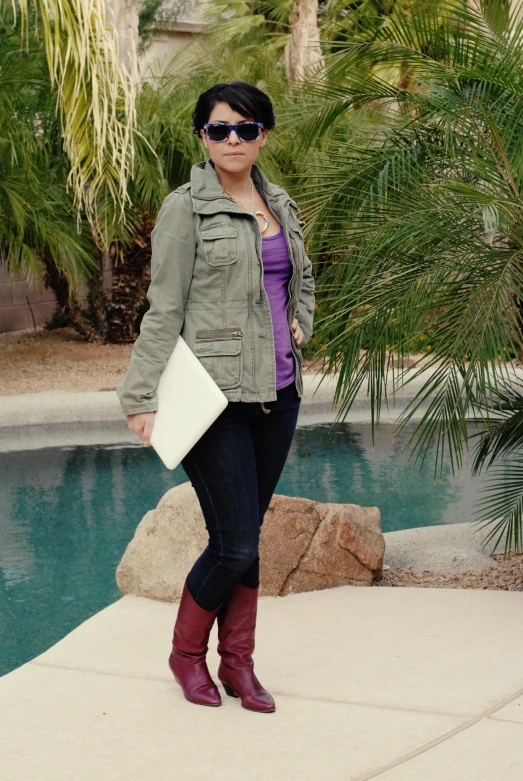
x=188 y=402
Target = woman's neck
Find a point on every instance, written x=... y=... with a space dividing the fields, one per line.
x=238 y=182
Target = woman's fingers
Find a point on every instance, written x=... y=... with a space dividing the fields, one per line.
x=297 y=332
x=148 y=429
x=141 y=423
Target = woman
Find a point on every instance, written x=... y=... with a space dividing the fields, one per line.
x=230 y=274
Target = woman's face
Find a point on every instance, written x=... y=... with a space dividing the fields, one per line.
x=232 y=155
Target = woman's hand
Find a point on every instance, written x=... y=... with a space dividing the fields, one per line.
x=142 y=424
x=297 y=332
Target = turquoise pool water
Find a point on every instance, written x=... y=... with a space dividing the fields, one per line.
x=67 y=514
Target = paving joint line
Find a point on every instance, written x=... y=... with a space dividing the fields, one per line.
x=506 y=721
x=356 y=703
x=442 y=739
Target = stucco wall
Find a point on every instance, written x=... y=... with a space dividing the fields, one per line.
x=15 y=312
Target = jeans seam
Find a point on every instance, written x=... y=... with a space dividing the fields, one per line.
x=217 y=523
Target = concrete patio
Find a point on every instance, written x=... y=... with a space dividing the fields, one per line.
x=395 y=684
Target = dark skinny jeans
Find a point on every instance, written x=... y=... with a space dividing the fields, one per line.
x=234 y=469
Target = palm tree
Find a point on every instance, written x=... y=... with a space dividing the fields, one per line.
x=38 y=235
x=414 y=196
x=95 y=94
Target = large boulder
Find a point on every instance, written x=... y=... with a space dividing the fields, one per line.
x=304 y=546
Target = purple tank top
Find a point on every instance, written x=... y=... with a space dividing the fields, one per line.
x=277 y=271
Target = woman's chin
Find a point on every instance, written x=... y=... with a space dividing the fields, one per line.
x=238 y=163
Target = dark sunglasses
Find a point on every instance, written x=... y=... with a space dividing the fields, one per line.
x=220 y=131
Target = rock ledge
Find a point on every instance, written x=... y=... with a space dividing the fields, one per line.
x=304 y=546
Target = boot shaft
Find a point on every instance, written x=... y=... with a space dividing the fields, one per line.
x=193 y=625
x=237 y=625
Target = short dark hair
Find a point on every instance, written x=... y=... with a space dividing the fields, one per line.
x=245 y=98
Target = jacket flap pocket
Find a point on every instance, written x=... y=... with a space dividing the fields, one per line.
x=210 y=347
x=212 y=232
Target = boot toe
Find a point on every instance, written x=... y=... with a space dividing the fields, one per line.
x=261 y=704
x=205 y=697
x=206 y=694
x=245 y=685
x=196 y=683
x=259 y=699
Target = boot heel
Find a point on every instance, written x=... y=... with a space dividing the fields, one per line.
x=229 y=690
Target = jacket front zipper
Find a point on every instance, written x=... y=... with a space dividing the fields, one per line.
x=291 y=289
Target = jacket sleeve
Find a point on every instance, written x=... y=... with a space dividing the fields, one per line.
x=306 y=301
x=173 y=244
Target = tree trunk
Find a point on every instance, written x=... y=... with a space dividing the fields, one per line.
x=92 y=322
x=123 y=14
x=57 y=282
x=303 y=57
x=131 y=276
x=116 y=319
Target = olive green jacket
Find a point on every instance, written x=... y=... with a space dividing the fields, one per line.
x=207 y=286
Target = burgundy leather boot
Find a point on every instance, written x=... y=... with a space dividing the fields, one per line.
x=236 y=625
x=190 y=645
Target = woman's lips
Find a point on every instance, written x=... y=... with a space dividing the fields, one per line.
x=233 y=154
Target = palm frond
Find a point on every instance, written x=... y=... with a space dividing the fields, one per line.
x=95 y=91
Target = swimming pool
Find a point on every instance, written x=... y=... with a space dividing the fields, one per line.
x=68 y=513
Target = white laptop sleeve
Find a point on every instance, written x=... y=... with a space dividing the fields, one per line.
x=188 y=402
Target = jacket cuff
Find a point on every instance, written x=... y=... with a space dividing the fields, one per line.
x=133 y=409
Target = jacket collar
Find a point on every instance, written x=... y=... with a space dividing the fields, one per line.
x=208 y=196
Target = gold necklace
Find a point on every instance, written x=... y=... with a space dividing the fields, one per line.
x=254 y=213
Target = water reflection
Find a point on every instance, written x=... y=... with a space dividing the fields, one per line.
x=350 y=469
x=66 y=516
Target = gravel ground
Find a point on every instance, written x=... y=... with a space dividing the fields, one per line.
x=58 y=360
x=33 y=361
x=504 y=575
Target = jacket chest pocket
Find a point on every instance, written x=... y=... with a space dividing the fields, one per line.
x=220 y=244
x=220 y=353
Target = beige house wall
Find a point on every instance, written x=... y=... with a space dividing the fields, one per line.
x=15 y=311
x=170 y=37
x=18 y=305
x=166 y=42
